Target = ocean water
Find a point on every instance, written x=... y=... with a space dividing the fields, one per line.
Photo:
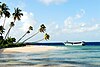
x=67 y=56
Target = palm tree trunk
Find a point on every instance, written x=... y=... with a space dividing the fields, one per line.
x=21 y=37
x=4 y=22
x=11 y=27
x=8 y=32
x=30 y=37
x=14 y=21
x=39 y=40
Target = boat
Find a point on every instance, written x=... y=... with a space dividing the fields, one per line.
x=74 y=43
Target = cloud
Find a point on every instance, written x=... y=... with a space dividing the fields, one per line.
x=48 y=2
x=80 y=14
x=27 y=20
x=68 y=22
x=80 y=29
x=52 y=26
x=21 y=26
x=74 y=27
x=70 y=28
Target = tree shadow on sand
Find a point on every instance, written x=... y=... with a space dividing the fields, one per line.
x=1 y=51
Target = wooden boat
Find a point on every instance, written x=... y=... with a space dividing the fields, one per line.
x=74 y=43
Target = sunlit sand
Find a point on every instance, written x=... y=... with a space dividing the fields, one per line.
x=30 y=48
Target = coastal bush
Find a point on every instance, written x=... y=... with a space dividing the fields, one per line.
x=5 y=40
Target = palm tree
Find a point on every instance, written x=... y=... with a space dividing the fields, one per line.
x=30 y=28
x=4 y=10
x=7 y=14
x=46 y=37
x=11 y=25
x=42 y=29
x=1 y=30
x=17 y=14
x=0 y=10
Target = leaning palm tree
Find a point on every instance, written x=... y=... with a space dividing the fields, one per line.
x=17 y=14
x=0 y=10
x=30 y=28
x=11 y=25
x=7 y=15
x=4 y=10
x=46 y=37
x=42 y=29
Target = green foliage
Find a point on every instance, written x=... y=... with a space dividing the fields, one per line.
x=17 y=14
x=42 y=28
x=6 y=43
x=9 y=42
x=47 y=36
x=4 y=10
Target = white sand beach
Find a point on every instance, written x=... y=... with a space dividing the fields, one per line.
x=29 y=48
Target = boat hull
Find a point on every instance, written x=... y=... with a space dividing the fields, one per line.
x=73 y=43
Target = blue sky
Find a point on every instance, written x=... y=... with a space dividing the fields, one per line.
x=73 y=20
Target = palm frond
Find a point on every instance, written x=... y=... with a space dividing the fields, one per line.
x=17 y=14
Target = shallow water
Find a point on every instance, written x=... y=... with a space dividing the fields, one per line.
x=67 y=56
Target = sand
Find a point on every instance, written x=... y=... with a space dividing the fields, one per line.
x=30 y=48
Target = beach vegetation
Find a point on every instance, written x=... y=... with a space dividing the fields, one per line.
x=27 y=32
x=42 y=29
x=6 y=40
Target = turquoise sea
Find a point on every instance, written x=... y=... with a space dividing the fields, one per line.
x=67 y=56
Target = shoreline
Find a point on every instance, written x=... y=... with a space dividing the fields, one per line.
x=28 y=48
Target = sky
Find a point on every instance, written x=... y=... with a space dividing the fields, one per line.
x=72 y=20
